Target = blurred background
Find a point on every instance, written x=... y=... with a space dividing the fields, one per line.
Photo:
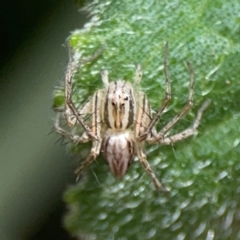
x=34 y=169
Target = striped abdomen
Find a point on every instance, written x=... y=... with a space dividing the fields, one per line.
x=118 y=150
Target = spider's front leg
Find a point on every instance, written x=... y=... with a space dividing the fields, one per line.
x=73 y=116
x=73 y=137
x=143 y=117
x=71 y=113
x=166 y=100
x=159 y=136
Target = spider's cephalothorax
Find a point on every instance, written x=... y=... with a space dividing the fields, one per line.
x=121 y=121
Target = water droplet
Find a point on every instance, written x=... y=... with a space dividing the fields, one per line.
x=228 y=220
x=176 y=226
x=132 y=205
x=185 y=184
x=184 y=204
x=203 y=164
x=102 y=216
x=175 y=216
x=200 y=229
x=222 y=175
x=236 y=142
x=181 y=236
x=222 y=209
x=210 y=235
x=127 y=219
x=151 y=233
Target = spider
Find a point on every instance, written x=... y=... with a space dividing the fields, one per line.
x=122 y=120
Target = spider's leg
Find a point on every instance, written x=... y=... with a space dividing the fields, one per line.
x=186 y=108
x=165 y=101
x=71 y=113
x=82 y=111
x=93 y=107
x=186 y=133
x=138 y=74
x=94 y=56
x=75 y=138
x=70 y=71
x=97 y=104
x=74 y=116
x=92 y=156
x=105 y=80
x=143 y=115
x=143 y=160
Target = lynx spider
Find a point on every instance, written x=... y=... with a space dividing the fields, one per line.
x=122 y=120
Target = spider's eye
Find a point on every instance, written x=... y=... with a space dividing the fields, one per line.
x=126 y=98
x=113 y=104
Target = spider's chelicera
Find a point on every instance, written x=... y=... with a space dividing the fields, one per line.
x=121 y=120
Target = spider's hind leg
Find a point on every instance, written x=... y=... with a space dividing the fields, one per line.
x=95 y=150
x=189 y=131
x=145 y=164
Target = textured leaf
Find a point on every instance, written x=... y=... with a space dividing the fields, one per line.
x=202 y=172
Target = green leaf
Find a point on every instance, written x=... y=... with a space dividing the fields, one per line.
x=202 y=172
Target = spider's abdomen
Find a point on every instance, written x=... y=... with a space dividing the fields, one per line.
x=118 y=150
